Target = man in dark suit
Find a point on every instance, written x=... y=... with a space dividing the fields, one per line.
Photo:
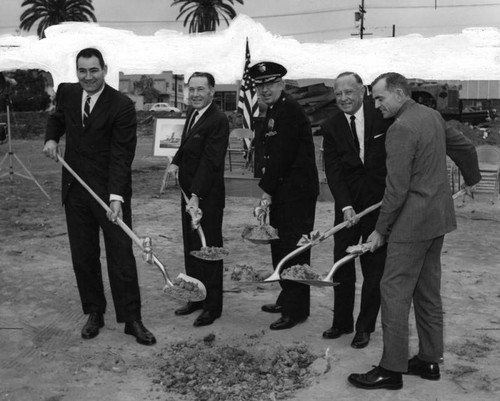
x=417 y=211
x=199 y=164
x=100 y=127
x=354 y=154
x=290 y=184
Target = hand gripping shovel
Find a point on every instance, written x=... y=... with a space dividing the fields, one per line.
x=206 y=252
x=183 y=287
x=353 y=253
x=262 y=233
x=315 y=241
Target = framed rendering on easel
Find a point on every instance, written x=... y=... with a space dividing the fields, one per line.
x=167 y=136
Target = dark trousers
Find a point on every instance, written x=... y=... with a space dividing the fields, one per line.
x=372 y=267
x=412 y=273
x=84 y=218
x=209 y=272
x=292 y=220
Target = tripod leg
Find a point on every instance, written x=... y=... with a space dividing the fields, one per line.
x=5 y=157
x=10 y=173
x=11 y=154
x=31 y=177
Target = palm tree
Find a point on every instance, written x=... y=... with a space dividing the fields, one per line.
x=204 y=14
x=53 y=12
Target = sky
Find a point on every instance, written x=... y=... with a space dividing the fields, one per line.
x=305 y=20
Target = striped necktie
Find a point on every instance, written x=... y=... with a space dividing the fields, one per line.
x=86 y=111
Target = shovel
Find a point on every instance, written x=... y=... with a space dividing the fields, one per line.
x=205 y=253
x=174 y=289
x=352 y=254
x=276 y=274
x=327 y=281
x=262 y=233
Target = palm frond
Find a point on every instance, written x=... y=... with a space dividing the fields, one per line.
x=205 y=15
x=53 y=12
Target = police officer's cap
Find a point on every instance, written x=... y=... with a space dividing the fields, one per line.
x=266 y=72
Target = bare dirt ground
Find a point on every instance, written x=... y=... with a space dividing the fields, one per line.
x=42 y=356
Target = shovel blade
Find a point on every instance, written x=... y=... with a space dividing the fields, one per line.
x=200 y=255
x=315 y=283
x=210 y=253
x=182 y=294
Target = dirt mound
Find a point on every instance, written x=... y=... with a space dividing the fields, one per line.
x=208 y=371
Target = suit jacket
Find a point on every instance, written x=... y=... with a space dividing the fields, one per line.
x=289 y=157
x=417 y=204
x=201 y=157
x=102 y=152
x=354 y=182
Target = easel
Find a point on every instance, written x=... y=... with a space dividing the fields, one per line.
x=166 y=175
x=11 y=155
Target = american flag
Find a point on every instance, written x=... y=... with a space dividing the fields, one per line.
x=247 y=102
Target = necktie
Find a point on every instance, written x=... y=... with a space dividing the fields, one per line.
x=354 y=133
x=191 y=122
x=86 y=111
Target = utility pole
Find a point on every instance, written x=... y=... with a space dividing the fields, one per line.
x=362 y=12
x=175 y=90
x=360 y=16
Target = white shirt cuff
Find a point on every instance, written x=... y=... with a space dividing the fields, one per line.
x=113 y=197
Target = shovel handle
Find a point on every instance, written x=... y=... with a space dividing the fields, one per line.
x=199 y=229
x=339 y=263
x=459 y=193
x=119 y=221
x=340 y=226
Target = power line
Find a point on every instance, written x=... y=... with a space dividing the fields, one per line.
x=439 y=6
x=332 y=10
x=376 y=28
x=329 y=10
x=312 y=12
x=301 y=13
x=319 y=31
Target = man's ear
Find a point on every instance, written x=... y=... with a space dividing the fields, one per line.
x=400 y=94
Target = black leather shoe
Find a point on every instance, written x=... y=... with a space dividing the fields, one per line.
x=426 y=370
x=377 y=378
x=205 y=318
x=94 y=323
x=142 y=335
x=361 y=339
x=335 y=332
x=189 y=308
x=272 y=308
x=285 y=322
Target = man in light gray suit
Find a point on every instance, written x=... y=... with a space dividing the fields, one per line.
x=417 y=211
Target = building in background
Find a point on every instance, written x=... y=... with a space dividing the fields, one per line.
x=146 y=89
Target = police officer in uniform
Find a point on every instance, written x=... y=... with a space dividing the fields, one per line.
x=289 y=183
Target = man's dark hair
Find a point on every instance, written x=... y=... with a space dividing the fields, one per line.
x=90 y=52
x=393 y=81
x=210 y=78
x=349 y=73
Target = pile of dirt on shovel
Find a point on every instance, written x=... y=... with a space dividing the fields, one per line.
x=205 y=370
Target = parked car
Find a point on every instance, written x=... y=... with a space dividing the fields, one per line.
x=164 y=107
